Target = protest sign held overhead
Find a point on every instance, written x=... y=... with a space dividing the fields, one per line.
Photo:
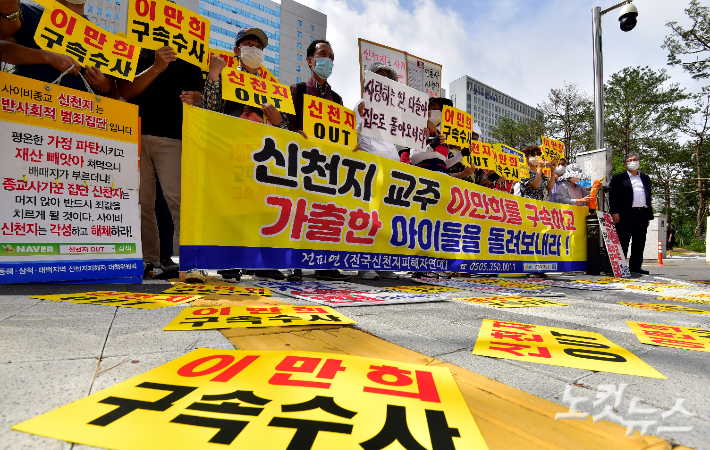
x=70 y=184
x=330 y=400
x=62 y=31
x=552 y=149
x=483 y=155
x=457 y=126
x=371 y=52
x=329 y=121
x=394 y=113
x=424 y=76
x=509 y=163
x=154 y=24
x=252 y=90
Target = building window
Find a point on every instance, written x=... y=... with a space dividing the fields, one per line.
x=311 y=38
x=299 y=34
x=118 y=2
x=116 y=16
x=300 y=23
x=91 y=9
x=108 y=14
x=298 y=80
x=100 y=11
x=298 y=45
x=115 y=30
x=298 y=68
x=312 y=29
x=298 y=57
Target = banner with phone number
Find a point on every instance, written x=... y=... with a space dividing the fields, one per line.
x=62 y=31
x=262 y=197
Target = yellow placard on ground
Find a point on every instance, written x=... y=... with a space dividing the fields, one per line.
x=665 y=308
x=272 y=400
x=615 y=280
x=507 y=283
x=428 y=289
x=668 y=285
x=457 y=127
x=123 y=299
x=154 y=24
x=243 y=87
x=552 y=149
x=510 y=163
x=671 y=336
x=558 y=347
x=203 y=318
x=638 y=287
x=685 y=299
x=202 y=289
x=702 y=295
x=483 y=155
x=511 y=302
x=62 y=31
x=591 y=281
x=329 y=121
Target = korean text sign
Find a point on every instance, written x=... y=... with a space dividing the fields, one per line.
x=123 y=299
x=457 y=126
x=509 y=163
x=552 y=149
x=275 y=199
x=196 y=289
x=371 y=52
x=275 y=400
x=424 y=76
x=154 y=24
x=69 y=184
x=201 y=318
x=67 y=33
x=394 y=113
x=329 y=121
x=671 y=336
x=613 y=245
x=558 y=347
x=483 y=155
x=252 y=90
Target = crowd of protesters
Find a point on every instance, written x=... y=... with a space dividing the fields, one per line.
x=163 y=82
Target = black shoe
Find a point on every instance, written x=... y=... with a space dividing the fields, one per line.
x=231 y=274
x=295 y=275
x=639 y=270
x=331 y=275
x=273 y=274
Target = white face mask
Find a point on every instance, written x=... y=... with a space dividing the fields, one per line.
x=633 y=165
x=560 y=170
x=573 y=180
x=534 y=160
x=251 y=56
x=435 y=116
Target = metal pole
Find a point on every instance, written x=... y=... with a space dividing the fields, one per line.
x=599 y=96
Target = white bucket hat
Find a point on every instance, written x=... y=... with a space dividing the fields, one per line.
x=573 y=171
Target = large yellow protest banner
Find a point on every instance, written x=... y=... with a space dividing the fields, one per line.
x=558 y=347
x=271 y=400
x=260 y=197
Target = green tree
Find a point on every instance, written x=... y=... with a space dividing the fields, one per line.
x=684 y=44
x=698 y=129
x=568 y=115
x=517 y=134
x=641 y=107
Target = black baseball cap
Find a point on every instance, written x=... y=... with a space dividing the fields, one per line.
x=243 y=33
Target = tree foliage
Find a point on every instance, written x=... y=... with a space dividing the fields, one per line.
x=568 y=114
x=517 y=134
x=687 y=47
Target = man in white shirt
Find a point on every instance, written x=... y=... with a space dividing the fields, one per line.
x=630 y=208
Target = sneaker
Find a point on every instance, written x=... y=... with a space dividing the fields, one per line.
x=195 y=276
x=169 y=265
x=272 y=274
x=331 y=275
x=368 y=274
x=149 y=268
x=386 y=275
x=168 y=269
x=231 y=274
x=444 y=275
x=432 y=274
x=294 y=275
x=424 y=275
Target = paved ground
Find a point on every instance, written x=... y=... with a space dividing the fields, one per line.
x=54 y=353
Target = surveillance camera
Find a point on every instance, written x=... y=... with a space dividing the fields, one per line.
x=627 y=17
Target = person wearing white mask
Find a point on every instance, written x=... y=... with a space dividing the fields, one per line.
x=249 y=48
x=569 y=192
x=559 y=171
x=537 y=184
x=630 y=208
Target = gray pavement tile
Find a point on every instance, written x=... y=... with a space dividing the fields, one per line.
x=158 y=317
x=13 y=304
x=24 y=396
x=408 y=339
x=51 y=308
x=116 y=369
x=139 y=339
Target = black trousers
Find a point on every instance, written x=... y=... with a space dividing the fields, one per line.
x=632 y=227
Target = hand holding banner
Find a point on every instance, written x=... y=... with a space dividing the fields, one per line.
x=243 y=87
x=457 y=126
x=328 y=120
x=87 y=43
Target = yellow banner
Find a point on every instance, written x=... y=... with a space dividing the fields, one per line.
x=665 y=308
x=511 y=302
x=638 y=287
x=329 y=121
x=510 y=163
x=270 y=400
x=243 y=87
x=685 y=299
x=123 y=299
x=155 y=24
x=201 y=318
x=507 y=283
x=197 y=289
x=233 y=62
x=26 y=101
x=423 y=289
x=671 y=336
x=457 y=126
x=558 y=347
x=264 y=197
x=552 y=149
x=62 y=31
x=483 y=155
x=701 y=295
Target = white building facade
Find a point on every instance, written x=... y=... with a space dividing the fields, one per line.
x=487 y=104
x=290 y=27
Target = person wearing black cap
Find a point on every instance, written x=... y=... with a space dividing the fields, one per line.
x=163 y=83
x=249 y=48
